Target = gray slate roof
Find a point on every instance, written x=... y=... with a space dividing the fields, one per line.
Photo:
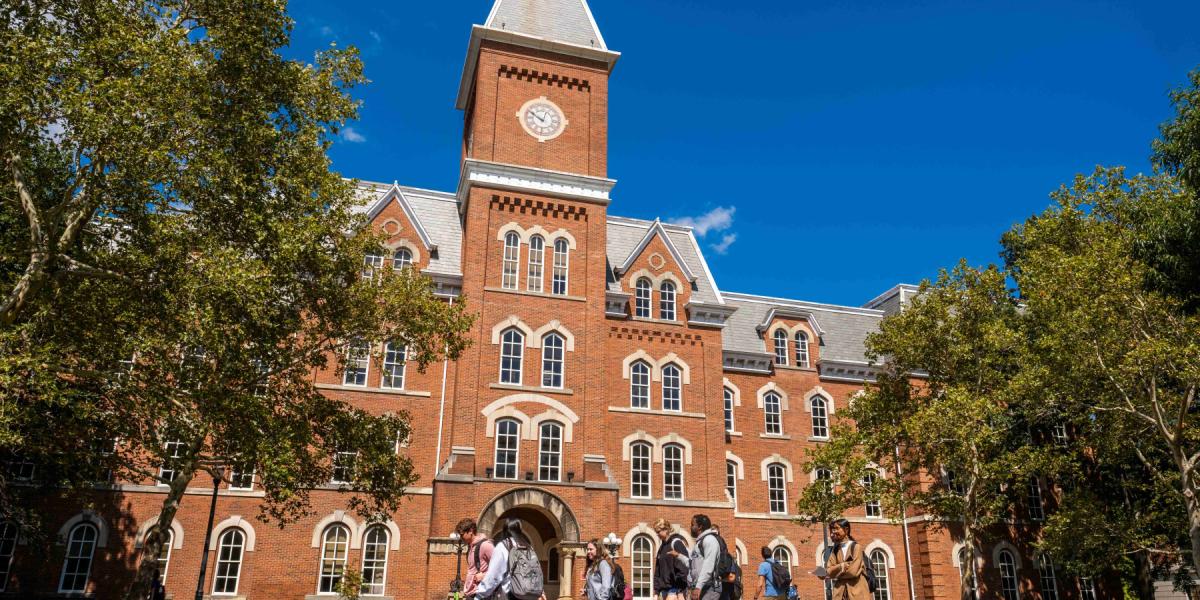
x=438 y=214
x=845 y=328
x=624 y=234
x=567 y=21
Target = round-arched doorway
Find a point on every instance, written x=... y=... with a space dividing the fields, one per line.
x=550 y=525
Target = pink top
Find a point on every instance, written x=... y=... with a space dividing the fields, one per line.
x=484 y=548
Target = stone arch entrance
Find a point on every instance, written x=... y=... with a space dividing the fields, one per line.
x=550 y=525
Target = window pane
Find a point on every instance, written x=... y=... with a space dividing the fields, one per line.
x=402 y=259
x=1008 y=576
x=671 y=392
x=537 y=254
x=559 y=282
x=395 y=355
x=375 y=555
x=642 y=561
x=777 y=493
x=673 y=472
x=512 y=254
x=873 y=507
x=229 y=562
x=783 y=556
x=820 y=419
x=666 y=301
x=801 y=349
x=343 y=467
x=1037 y=511
x=512 y=351
x=641 y=299
x=1048 y=582
x=639 y=385
x=640 y=470
x=550 y=456
x=772 y=407
x=878 y=563
x=552 y=361
x=728 y=409
x=507 y=439
x=173 y=453
x=334 y=549
x=8 y=547
x=731 y=480
x=358 y=361
x=371 y=265
x=781 y=354
x=77 y=565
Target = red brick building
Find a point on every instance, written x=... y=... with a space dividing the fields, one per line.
x=610 y=381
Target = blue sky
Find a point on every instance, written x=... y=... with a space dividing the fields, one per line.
x=831 y=149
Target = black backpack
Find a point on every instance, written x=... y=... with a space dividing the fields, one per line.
x=868 y=570
x=724 y=559
x=617 y=591
x=781 y=579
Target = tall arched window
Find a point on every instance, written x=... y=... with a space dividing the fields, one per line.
x=8 y=547
x=394 y=360
x=801 y=349
x=773 y=410
x=671 y=388
x=335 y=547
x=164 y=555
x=639 y=470
x=550 y=452
x=1008 y=575
x=639 y=385
x=641 y=298
x=375 y=556
x=402 y=259
x=512 y=255
x=552 y=361
x=673 y=472
x=731 y=480
x=776 y=488
x=966 y=572
x=666 y=301
x=879 y=564
x=507 y=446
x=77 y=566
x=873 y=508
x=559 y=283
x=820 y=417
x=512 y=351
x=641 y=557
x=229 y=562
x=728 y=393
x=537 y=255
x=781 y=347
x=1037 y=511
x=783 y=556
x=1046 y=578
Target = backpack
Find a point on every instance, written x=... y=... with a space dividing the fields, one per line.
x=868 y=571
x=619 y=591
x=781 y=579
x=724 y=559
x=524 y=572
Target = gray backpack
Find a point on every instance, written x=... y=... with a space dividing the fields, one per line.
x=524 y=572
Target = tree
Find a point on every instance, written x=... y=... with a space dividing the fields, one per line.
x=177 y=258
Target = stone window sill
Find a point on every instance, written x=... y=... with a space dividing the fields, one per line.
x=530 y=388
x=676 y=323
x=371 y=390
x=774 y=436
x=535 y=295
x=652 y=411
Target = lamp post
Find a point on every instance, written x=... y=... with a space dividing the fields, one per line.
x=457 y=585
x=612 y=542
x=218 y=474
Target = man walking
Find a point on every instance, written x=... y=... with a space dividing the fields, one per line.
x=704 y=577
x=768 y=586
x=479 y=554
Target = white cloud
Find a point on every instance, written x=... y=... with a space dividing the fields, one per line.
x=326 y=31
x=716 y=220
x=375 y=36
x=722 y=246
x=352 y=136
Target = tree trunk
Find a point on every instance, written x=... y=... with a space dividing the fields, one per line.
x=1143 y=580
x=143 y=579
x=968 y=566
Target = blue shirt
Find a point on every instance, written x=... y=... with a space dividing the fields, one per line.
x=764 y=569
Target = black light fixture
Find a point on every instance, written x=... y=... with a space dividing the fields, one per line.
x=528 y=475
x=489 y=472
x=570 y=476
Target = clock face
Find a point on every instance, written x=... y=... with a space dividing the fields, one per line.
x=542 y=119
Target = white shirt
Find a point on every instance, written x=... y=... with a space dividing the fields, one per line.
x=497 y=574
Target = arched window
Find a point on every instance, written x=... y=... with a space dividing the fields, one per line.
x=550 y=454
x=512 y=349
x=820 y=417
x=372 y=263
x=873 y=509
x=801 y=349
x=776 y=489
x=673 y=472
x=1037 y=511
x=728 y=409
x=879 y=563
x=1008 y=575
x=1046 y=577
x=512 y=255
x=229 y=562
x=164 y=555
x=358 y=363
x=639 y=385
x=666 y=301
x=773 y=410
x=537 y=254
x=552 y=361
x=335 y=547
x=507 y=445
x=402 y=259
x=781 y=347
x=8 y=547
x=77 y=566
x=966 y=572
x=641 y=298
x=560 y=267
x=639 y=470
x=641 y=552
x=671 y=388
x=1087 y=588
x=731 y=480
x=394 y=358
x=375 y=556
x=783 y=556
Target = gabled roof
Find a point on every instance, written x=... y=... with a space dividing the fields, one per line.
x=843 y=332
x=434 y=216
x=396 y=194
x=626 y=237
x=568 y=21
x=656 y=229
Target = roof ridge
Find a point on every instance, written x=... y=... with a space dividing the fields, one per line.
x=870 y=312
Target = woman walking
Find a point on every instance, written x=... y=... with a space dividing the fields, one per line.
x=597 y=582
x=671 y=564
x=844 y=564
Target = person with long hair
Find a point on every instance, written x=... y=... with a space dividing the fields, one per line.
x=671 y=563
x=844 y=564
x=497 y=582
x=597 y=583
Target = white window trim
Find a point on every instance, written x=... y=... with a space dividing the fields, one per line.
x=520 y=346
x=91 y=558
x=321 y=557
x=783 y=487
x=387 y=556
x=566 y=267
x=540 y=263
x=663 y=387
x=562 y=362
x=516 y=464
x=366 y=371
x=237 y=581
x=558 y=454
x=682 y=454
x=650 y=446
x=403 y=368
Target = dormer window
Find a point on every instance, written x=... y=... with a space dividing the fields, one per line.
x=781 y=353
x=402 y=259
x=641 y=299
x=666 y=301
x=801 y=349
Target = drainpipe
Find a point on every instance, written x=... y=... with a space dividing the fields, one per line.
x=437 y=466
x=912 y=591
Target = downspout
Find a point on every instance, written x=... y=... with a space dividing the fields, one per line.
x=912 y=590
x=437 y=466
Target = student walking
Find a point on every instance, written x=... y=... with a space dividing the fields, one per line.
x=598 y=576
x=844 y=564
x=671 y=563
x=514 y=572
x=773 y=578
x=704 y=576
x=479 y=554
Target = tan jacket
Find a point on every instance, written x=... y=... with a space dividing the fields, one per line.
x=849 y=578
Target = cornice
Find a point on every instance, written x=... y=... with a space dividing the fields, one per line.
x=529 y=179
x=708 y=315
